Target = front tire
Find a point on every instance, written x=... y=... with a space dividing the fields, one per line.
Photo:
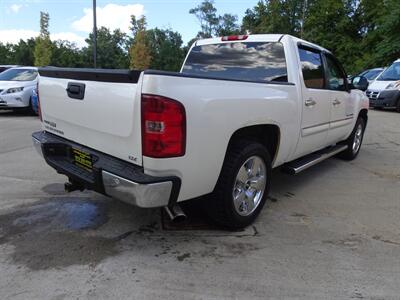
x=354 y=141
x=30 y=108
x=243 y=185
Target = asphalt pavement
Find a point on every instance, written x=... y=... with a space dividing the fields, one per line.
x=332 y=232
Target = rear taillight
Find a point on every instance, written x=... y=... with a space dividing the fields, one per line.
x=38 y=102
x=163 y=127
x=234 y=38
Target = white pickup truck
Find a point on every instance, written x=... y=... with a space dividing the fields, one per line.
x=241 y=106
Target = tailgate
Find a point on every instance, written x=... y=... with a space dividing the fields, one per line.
x=99 y=109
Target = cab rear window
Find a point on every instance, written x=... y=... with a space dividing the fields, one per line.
x=247 y=61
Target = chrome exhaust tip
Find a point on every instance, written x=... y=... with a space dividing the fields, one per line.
x=175 y=213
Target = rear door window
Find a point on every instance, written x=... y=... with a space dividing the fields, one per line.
x=312 y=68
x=246 y=61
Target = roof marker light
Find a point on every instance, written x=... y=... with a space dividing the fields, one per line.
x=234 y=38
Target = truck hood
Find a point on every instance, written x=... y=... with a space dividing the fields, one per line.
x=379 y=85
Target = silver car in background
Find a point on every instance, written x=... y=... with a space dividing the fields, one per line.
x=16 y=86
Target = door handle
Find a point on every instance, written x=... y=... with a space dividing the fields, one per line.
x=73 y=89
x=76 y=90
x=310 y=102
x=336 y=102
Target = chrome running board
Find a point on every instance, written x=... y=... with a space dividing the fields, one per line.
x=301 y=164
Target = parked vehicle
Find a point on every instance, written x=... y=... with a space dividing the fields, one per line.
x=371 y=74
x=16 y=85
x=6 y=67
x=34 y=100
x=240 y=106
x=384 y=92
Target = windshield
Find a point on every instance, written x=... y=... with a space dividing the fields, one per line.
x=392 y=73
x=2 y=69
x=247 y=61
x=371 y=75
x=18 y=75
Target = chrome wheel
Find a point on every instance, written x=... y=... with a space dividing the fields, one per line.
x=357 y=138
x=249 y=186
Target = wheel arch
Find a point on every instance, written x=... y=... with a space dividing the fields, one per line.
x=268 y=135
x=364 y=114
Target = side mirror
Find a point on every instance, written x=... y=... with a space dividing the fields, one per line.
x=360 y=83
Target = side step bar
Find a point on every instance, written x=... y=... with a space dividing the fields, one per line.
x=301 y=164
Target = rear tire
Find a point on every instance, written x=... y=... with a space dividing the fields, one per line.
x=242 y=187
x=398 y=106
x=354 y=141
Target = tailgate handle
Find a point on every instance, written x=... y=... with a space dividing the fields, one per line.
x=76 y=90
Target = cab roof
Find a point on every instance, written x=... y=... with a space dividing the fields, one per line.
x=262 y=38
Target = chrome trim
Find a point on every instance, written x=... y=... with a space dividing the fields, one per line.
x=358 y=136
x=38 y=146
x=336 y=102
x=142 y=195
x=320 y=158
x=310 y=102
x=249 y=187
x=317 y=125
x=372 y=95
x=175 y=213
x=341 y=123
x=306 y=131
x=314 y=129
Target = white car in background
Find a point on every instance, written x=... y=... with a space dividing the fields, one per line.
x=6 y=67
x=384 y=91
x=16 y=86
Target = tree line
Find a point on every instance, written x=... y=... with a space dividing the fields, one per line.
x=361 y=33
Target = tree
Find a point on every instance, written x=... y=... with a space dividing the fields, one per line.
x=165 y=49
x=111 y=49
x=333 y=24
x=361 y=33
x=66 y=54
x=43 y=45
x=6 y=54
x=206 y=14
x=330 y=23
x=212 y=24
x=275 y=16
x=139 y=53
x=383 y=34
x=23 y=52
x=228 y=25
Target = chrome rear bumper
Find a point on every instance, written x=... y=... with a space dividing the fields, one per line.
x=141 y=195
x=38 y=146
x=109 y=176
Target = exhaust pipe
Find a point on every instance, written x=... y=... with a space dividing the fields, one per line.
x=175 y=213
x=72 y=186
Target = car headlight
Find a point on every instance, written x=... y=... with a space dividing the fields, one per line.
x=390 y=86
x=14 y=90
x=394 y=86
